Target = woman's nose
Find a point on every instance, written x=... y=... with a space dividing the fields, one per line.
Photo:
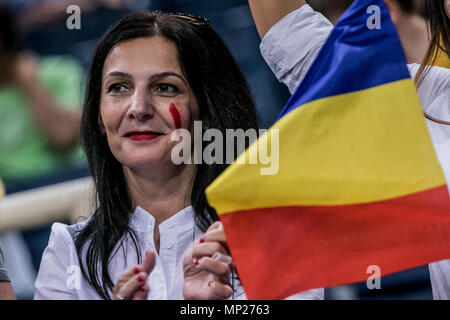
x=141 y=107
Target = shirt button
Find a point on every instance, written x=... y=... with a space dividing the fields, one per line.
x=169 y=246
x=170 y=225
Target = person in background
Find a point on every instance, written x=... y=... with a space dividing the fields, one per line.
x=6 y=291
x=39 y=107
x=39 y=133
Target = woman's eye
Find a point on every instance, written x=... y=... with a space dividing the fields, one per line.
x=166 y=88
x=117 y=88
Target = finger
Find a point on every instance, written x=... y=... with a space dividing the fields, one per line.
x=220 y=269
x=207 y=249
x=142 y=293
x=215 y=235
x=149 y=262
x=130 y=288
x=129 y=273
x=218 y=290
x=223 y=258
x=125 y=277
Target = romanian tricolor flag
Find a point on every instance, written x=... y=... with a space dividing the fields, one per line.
x=358 y=183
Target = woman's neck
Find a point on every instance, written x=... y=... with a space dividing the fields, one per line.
x=161 y=191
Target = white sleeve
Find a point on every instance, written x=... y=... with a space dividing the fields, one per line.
x=59 y=263
x=315 y=294
x=291 y=45
x=440 y=279
x=434 y=90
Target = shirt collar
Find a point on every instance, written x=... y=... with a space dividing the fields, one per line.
x=143 y=221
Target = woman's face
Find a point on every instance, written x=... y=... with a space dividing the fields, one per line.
x=145 y=97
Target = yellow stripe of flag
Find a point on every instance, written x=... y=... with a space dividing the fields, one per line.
x=343 y=147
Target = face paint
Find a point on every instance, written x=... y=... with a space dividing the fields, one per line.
x=175 y=115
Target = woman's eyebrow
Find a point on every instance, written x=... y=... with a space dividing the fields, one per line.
x=153 y=78
x=159 y=76
x=119 y=74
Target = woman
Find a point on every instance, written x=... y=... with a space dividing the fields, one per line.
x=151 y=74
x=292 y=35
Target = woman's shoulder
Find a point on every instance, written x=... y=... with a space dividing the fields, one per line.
x=60 y=265
x=66 y=232
x=61 y=251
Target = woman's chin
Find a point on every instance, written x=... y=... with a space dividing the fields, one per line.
x=146 y=162
x=143 y=156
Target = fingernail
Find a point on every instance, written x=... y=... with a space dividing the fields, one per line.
x=223 y=258
x=201 y=240
x=195 y=262
x=143 y=289
x=141 y=278
x=210 y=283
x=136 y=270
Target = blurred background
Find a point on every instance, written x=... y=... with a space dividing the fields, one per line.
x=43 y=66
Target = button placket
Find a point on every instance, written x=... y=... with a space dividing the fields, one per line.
x=169 y=252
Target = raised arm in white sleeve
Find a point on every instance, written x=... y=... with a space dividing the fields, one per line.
x=291 y=45
x=266 y=13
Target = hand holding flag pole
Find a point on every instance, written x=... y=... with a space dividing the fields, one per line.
x=207 y=267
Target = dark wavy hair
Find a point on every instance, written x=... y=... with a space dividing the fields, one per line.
x=225 y=102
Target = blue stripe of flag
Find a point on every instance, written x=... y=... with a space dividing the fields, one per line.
x=353 y=58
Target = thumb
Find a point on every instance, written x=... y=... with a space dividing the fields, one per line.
x=149 y=262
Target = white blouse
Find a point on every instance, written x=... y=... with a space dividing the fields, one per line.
x=60 y=265
x=59 y=275
x=290 y=48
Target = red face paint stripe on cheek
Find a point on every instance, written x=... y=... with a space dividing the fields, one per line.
x=175 y=115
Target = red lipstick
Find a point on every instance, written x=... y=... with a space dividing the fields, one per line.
x=142 y=135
